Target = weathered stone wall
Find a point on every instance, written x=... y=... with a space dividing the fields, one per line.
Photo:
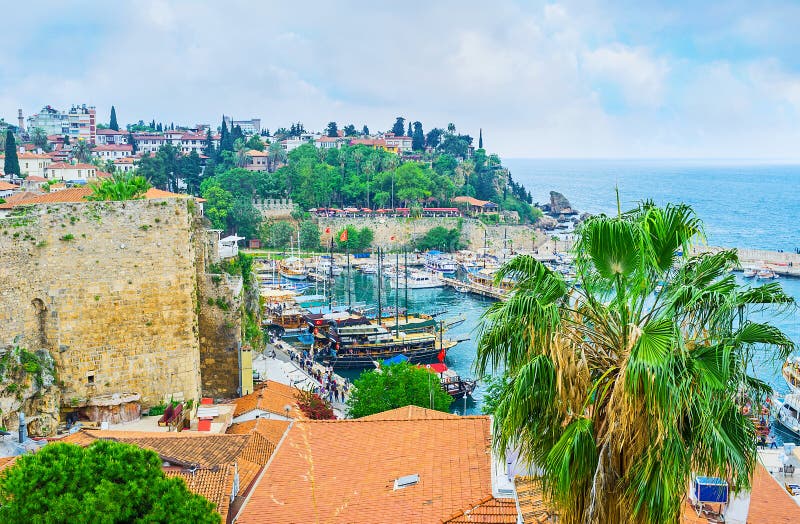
x=110 y=290
x=220 y=334
x=404 y=230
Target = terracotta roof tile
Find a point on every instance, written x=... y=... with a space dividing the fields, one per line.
x=79 y=194
x=410 y=413
x=272 y=429
x=272 y=397
x=488 y=510
x=215 y=484
x=65 y=165
x=344 y=471
x=769 y=502
x=5 y=186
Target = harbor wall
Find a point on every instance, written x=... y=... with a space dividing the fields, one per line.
x=782 y=263
x=405 y=230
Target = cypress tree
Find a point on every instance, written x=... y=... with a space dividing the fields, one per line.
x=66 y=140
x=409 y=133
x=480 y=139
x=132 y=142
x=418 y=137
x=365 y=130
x=209 y=149
x=112 y=124
x=12 y=161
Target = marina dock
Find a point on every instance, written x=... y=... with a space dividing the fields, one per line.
x=474 y=288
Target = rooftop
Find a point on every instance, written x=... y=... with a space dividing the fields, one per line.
x=488 y=510
x=272 y=429
x=215 y=484
x=411 y=413
x=76 y=194
x=272 y=397
x=345 y=471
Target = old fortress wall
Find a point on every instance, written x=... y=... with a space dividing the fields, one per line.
x=406 y=229
x=110 y=290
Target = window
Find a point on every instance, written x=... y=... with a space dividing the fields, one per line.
x=90 y=379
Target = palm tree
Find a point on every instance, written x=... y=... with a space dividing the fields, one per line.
x=619 y=393
x=241 y=152
x=121 y=186
x=81 y=151
x=276 y=154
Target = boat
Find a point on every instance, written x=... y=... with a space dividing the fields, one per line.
x=452 y=383
x=749 y=272
x=791 y=373
x=358 y=342
x=292 y=268
x=438 y=263
x=368 y=269
x=416 y=280
x=285 y=320
x=486 y=278
x=326 y=266
x=788 y=412
x=462 y=289
x=766 y=274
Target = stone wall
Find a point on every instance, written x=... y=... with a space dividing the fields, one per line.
x=220 y=334
x=110 y=290
x=405 y=230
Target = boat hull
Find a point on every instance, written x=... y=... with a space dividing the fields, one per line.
x=362 y=361
x=293 y=276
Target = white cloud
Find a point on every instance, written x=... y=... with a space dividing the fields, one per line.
x=536 y=77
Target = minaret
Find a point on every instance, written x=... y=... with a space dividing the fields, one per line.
x=21 y=121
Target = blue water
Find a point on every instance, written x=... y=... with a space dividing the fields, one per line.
x=755 y=206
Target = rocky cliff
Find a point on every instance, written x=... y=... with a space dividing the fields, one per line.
x=28 y=384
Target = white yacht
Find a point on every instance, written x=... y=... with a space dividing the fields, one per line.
x=416 y=280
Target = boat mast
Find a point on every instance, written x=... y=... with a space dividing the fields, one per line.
x=349 y=296
x=396 y=292
x=330 y=275
x=485 y=245
x=405 y=273
x=380 y=277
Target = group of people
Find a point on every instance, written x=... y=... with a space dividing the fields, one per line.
x=329 y=387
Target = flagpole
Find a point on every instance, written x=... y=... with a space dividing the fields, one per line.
x=349 y=297
x=330 y=275
x=396 y=292
x=405 y=273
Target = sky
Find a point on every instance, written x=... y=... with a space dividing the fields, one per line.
x=541 y=79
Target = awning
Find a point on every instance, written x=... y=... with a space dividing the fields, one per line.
x=397 y=359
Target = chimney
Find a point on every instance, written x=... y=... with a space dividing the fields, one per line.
x=21 y=121
x=23 y=428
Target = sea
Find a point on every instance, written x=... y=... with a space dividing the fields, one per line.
x=746 y=205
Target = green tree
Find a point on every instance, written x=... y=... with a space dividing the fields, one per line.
x=399 y=127
x=121 y=186
x=113 y=122
x=152 y=168
x=394 y=387
x=440 y=238
x=350 y=130
x=208 y=149
x=39 y=138
x=410 y=131
x=351 y=242
x=278 y=235
x=131 y=141
x=190 y=168
x=309 y=236
x=82 y=151
x=219 y=203
x=365 y=130
x=619 y=393
x=418 y=137
x=244 y=219
x=332 y=130
x=11 y=166
x=254 y=142
x=365 y=238
x=104 y=482
x=433 y=137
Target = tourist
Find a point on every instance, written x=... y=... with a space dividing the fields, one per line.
x=773 y=442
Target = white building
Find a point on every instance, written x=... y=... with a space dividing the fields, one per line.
x=148 y=142
x=69 y=172
x=249 y=127
x=125 y=164
x=82 y=123
x=109 y=136
x=193 y=142
x=112 y=151
x=51 y=120
x=29 y=163
x=6 y=189
x=402 y=143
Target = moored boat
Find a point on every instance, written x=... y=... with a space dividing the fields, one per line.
x=292 y=268
x=437 y=262
x=791 y=372
x=788 y=413
x=452 y=383
x=766 y=273
x=749 y=272
x=416 y=280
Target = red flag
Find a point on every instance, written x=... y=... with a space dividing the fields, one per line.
x=343 y=236
x=327 y=230
x=392 y=238
x=441 y=355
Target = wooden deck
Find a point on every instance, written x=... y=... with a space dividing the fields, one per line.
x=475 y=289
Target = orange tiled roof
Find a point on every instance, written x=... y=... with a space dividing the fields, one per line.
x=471 y=201
x=488 y=510
x=272 y=397
x=769 y=502
x=215 y=484
x=78 y=194
x=5 y=186
x=410 y=413
x=532 y=507
x=65 y=165
x=271 y=428
x=344 y=471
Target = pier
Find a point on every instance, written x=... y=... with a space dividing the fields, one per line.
x=475 y=289
x=782 y=263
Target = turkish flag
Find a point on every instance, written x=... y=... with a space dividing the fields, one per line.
x=343 y=236
x=441 y=355
x=392 y=238
x=327 y=230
